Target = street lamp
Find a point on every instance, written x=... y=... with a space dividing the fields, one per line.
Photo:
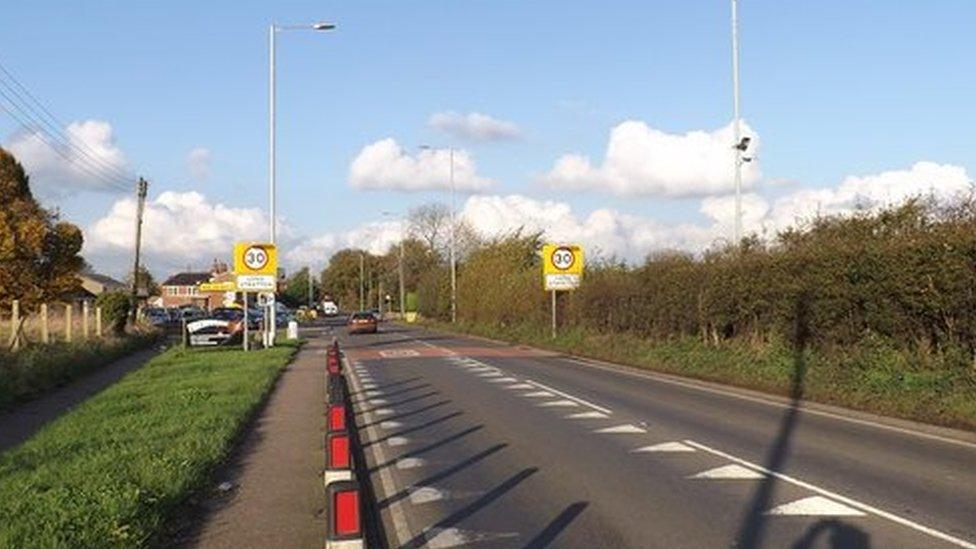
x=400 y=262
x=272 y=31
x=453 y=236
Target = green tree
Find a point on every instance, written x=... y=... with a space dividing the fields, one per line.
x=147 y=283
x=115 y=309
x=296 y=289
x=39 y=258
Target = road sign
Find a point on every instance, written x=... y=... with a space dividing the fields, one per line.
x=227 y=286
x=255 y=258
x=562 y=266
x=256 y=283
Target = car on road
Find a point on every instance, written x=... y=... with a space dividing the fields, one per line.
x=330 y=309
x=363 y=322
x=156 y=316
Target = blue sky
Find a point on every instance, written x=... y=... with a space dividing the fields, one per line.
x=833 y=88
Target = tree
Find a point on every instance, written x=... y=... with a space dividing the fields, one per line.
x=432 y=224
x=147 y=284
x=115 y=308
x=296 y=289
x=39 y=258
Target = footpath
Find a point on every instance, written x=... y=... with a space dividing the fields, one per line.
x=20 y=423
x=270 y=491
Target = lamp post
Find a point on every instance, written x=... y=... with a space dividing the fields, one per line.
x=400 y=262
x=453 y=251
x=736 y=128
x=272 y=32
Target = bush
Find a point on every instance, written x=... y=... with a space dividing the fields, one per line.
x=115 y=310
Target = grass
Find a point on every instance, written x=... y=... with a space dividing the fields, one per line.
x=873 y=376
x=39 y=368
x=112 y=471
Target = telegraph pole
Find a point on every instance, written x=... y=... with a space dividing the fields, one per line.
x=141 y=188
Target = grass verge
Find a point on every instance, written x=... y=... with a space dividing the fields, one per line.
x=874 y=376
x=40 y=368
x=112 y=471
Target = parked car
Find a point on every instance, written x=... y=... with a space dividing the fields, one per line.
x=233 y=314
x=210 y=332
x=363 y=322
x=156 y=316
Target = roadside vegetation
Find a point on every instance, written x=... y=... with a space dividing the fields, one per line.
x=113 y=470
x=875 y=311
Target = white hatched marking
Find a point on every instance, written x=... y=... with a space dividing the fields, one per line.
x=397 y=441
x=374 y=393
x=558 y=404
x=378 y=401
x=490 y=374
x=624 y=429
x=384 y=411
x=817 y=506
x=588 y=415
x=538 y=394
x=503 y=380
x=729 y=472
x=390 y=424
x=410 y=463
x=665 y=447
x=441 y=538
x=571 y=397
x=426 y=494
x=520 y=386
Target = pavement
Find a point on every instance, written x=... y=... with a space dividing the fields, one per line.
x=273 y=495
x=470 y=442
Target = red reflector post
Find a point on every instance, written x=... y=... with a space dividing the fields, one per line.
x=347 y=512
x=338 y=444
x=344 y=511
x=333 y=364
x=337 y=417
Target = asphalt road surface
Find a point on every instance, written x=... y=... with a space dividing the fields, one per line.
x=470 y=442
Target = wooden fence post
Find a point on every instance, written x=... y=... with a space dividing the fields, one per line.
x=98 y=322
x=45 y=335
x=15 y=325
x=67 y=323
x=84 y=320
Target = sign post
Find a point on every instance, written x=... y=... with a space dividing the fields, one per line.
x=562 y=270
x=256 y=267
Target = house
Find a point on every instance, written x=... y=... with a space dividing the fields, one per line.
x=184 y=288
x=95 y=284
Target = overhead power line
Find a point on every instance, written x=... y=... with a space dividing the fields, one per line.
x=33 y=115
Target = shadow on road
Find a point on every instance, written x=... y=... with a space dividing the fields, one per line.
x=558 y=524
x=841 y=536
x=407 y=414
x=380 y=394
x=388 y=385
x=441 y=475
x=433 y=446
x=752 y=527
x=413 y=429
x=399 y=402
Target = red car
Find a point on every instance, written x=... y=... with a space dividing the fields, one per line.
x=362 y=322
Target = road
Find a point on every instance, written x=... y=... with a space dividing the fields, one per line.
x=471 y=442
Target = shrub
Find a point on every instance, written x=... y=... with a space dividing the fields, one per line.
x=115 y=309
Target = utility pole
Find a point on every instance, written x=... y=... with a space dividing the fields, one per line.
x=362 y=283
x=737 y=233
x=310 y=289
x=141 y=188
x=400 y=268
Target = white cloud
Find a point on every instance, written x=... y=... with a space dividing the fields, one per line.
x=385 y=165
x=92 y=162
x=198 y=163
x=641 y=160
x=375 y=237
x=474 y=126
x=179 y=228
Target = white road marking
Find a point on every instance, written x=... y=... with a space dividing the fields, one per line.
x=503 y=380
x=815 y=506
x=384 y=411
x=378 y=401
x=426 y=494
x=410 y=463
x=438 y=347
x=571 y=397
x=852 y=502
x=441 y=538
x=538 y=394
x=653 y=376
x=520 y=386
x=588 y=415
x=390 y=424
x=374 y=393
x=401 y=529
x=729 y=472
x=624 y=429
x=558 y=404
x=490 y=374
x=397 y=441
x=664 y=447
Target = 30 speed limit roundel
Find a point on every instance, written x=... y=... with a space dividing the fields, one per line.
x=563 y=258
x=255 y=258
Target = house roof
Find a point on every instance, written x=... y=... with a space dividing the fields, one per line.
x=104 y=280
x=186 y=279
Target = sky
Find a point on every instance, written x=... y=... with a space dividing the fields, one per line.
x=602 y=123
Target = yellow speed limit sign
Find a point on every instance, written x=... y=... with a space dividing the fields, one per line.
x=562 y=266
x=255 y=258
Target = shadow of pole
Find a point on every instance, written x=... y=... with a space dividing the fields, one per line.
x=558 y=524
x=753 y=524
x=842 y=536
